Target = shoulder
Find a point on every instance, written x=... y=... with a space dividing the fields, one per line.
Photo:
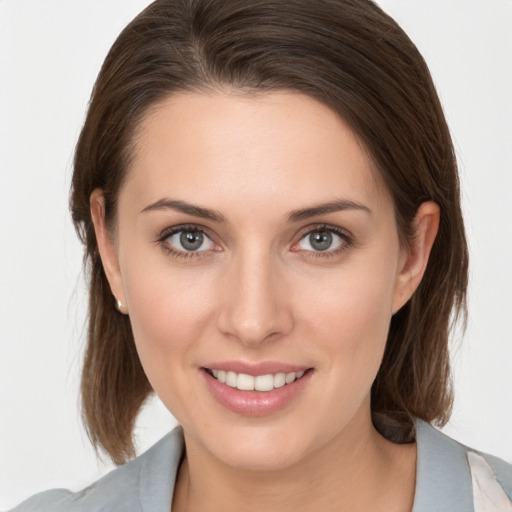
x=144 y=483
x=54 y=500
x=453 y=477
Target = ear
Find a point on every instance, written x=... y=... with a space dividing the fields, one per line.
x=107 y=249
x=415 y=257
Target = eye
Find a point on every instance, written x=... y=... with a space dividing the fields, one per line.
x=187 y=239
x=322 y=239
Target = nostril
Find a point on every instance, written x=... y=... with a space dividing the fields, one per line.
x=253 y=320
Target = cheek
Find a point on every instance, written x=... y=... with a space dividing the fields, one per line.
x=168 y=311
x=349 y=316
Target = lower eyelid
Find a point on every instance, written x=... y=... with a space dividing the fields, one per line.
x=179 y=254
x=325 y=255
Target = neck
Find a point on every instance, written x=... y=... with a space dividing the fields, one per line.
x=357 y=470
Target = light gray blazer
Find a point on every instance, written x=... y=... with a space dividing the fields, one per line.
x=449 y=478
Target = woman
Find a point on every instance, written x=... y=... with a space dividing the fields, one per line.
x=269 y=201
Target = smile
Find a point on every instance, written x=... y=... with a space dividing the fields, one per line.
x=245 y=382
x=272 y=387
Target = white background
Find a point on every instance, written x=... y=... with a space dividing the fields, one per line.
x=50 y=53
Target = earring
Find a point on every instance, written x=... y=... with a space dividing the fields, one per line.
x=119 y=306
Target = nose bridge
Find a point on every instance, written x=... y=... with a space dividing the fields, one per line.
x=253 y=308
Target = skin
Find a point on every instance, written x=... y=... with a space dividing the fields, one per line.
x=259 y=292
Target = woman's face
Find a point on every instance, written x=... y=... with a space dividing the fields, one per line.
x=256 y=242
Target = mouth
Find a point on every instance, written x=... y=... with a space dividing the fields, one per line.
x=258 y=389
x=262 y=383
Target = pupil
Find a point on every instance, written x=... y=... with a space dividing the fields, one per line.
x=320 y=240
x=191 y=240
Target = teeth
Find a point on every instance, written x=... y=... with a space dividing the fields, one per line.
x=279 y=380
x=264 y=383
x=231 y=379
x=290 y=377
x=246 y=382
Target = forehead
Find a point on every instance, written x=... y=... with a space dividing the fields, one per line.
x=275 y=145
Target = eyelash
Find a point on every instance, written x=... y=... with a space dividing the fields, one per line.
x=346 y=241
x=167 y=233
x=342 y=234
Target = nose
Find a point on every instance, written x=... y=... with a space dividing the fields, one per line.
x=255 y=306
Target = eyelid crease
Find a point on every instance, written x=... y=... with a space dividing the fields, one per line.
x=172 y=230
x=325 y=227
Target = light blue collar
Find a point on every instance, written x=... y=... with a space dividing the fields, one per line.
x=443 y=479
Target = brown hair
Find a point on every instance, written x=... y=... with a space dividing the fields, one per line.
x=347 y=54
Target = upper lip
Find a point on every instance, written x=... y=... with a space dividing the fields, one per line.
x=255 y=369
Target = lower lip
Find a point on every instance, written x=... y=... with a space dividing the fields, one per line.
x=255 y=403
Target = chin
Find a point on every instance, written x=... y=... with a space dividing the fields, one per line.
x=260 y=458
x=261 y=449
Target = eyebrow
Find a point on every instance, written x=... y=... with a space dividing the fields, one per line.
x=325 y=208
x=295 y=216
x=182 y=206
